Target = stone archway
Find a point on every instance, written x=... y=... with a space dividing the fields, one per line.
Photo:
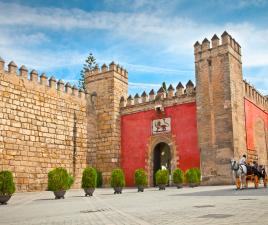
x=166 y=139
x=161 y=158
x=260 y=141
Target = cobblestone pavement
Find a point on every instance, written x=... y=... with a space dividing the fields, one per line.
x=202 y=205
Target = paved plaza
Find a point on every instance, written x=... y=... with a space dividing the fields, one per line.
x=191 y=206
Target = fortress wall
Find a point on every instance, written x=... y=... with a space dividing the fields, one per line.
x=42 y=126
x=256 y=119
x=255 y=96
x=106 y=84
x=220 y=106
x=161 y=98
x=256 y=130
x=136 y=142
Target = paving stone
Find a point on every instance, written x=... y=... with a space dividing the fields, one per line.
x=219 y=205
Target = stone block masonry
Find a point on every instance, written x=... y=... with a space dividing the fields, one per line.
x=46 y=124
x=106 y=85
x=41 y=127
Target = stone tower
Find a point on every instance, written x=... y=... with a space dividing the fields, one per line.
x=105 y=86
x=220 y=107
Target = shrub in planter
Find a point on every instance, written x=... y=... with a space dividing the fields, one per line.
x=140 y=178
x=198 y=173
x=117 y=180
x=191 y=177
x=99 y=178
x=59 y=180
x=161 y=178
x=89 y=180
x=7 y=186
x=178 y=176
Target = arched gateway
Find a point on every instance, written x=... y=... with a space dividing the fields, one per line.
x=161 y=158
x=161 y=153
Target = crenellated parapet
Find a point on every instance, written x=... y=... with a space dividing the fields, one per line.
x=208 y=49
x=105 y=69
x=42 y=81
x=255 y=96
x=162 y=97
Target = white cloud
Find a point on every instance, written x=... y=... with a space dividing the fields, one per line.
x=154 y=69
x=47 y=60
x=172 y=35
x=143 y=85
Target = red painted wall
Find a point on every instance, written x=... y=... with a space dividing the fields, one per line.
x=252 y=112
x=136 y=130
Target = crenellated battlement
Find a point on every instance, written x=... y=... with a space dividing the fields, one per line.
x=42 y=80
x=161 y=97
x=255 y=96
x=112 y=68
x=208 y=49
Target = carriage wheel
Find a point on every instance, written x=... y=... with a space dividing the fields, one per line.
x=238 y=183
x=256 y=181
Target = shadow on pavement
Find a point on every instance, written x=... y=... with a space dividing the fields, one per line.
x=44 y=199
x=228 y=192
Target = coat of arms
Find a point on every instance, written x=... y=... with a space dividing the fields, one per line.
x=161 y=125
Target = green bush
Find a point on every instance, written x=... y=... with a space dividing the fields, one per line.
x=89 y=178
x=99 y=178
x=161 y=177
x=59 y=179
x=178 y=176
x=191 y=176
x=117 y=178
x=7 y=186
x=140 y=177
x=198 y=173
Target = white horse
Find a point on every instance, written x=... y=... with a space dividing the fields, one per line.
x=240 y=173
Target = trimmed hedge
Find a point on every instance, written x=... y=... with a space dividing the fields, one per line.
x=59 y=179
x=99 y=178
x=192 y=176
x=161 y=177
x=89 y=178
x=7 y=185
x=178 y=176
x=140 y=177
x=117 y=178
x=198 y=173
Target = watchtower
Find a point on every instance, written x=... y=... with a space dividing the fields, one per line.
x=220 y=106
x=105 y=86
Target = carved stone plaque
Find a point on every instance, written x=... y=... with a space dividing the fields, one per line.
x=161 y=125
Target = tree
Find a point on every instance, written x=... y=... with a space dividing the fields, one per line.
x=164 y=86
x=89 y=65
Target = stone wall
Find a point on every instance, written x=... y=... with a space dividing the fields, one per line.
x=220 y=109
x=256 y=130
x=41 y=127
x=253 y=95
x=106 y=86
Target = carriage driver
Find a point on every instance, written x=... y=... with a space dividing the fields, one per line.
x=243 y=160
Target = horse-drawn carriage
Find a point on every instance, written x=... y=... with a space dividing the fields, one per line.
x=244 y=174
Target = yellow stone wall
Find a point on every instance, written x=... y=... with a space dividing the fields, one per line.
x=41 y=127
x=106 y=86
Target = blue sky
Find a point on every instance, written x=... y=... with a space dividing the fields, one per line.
x=152 y=39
